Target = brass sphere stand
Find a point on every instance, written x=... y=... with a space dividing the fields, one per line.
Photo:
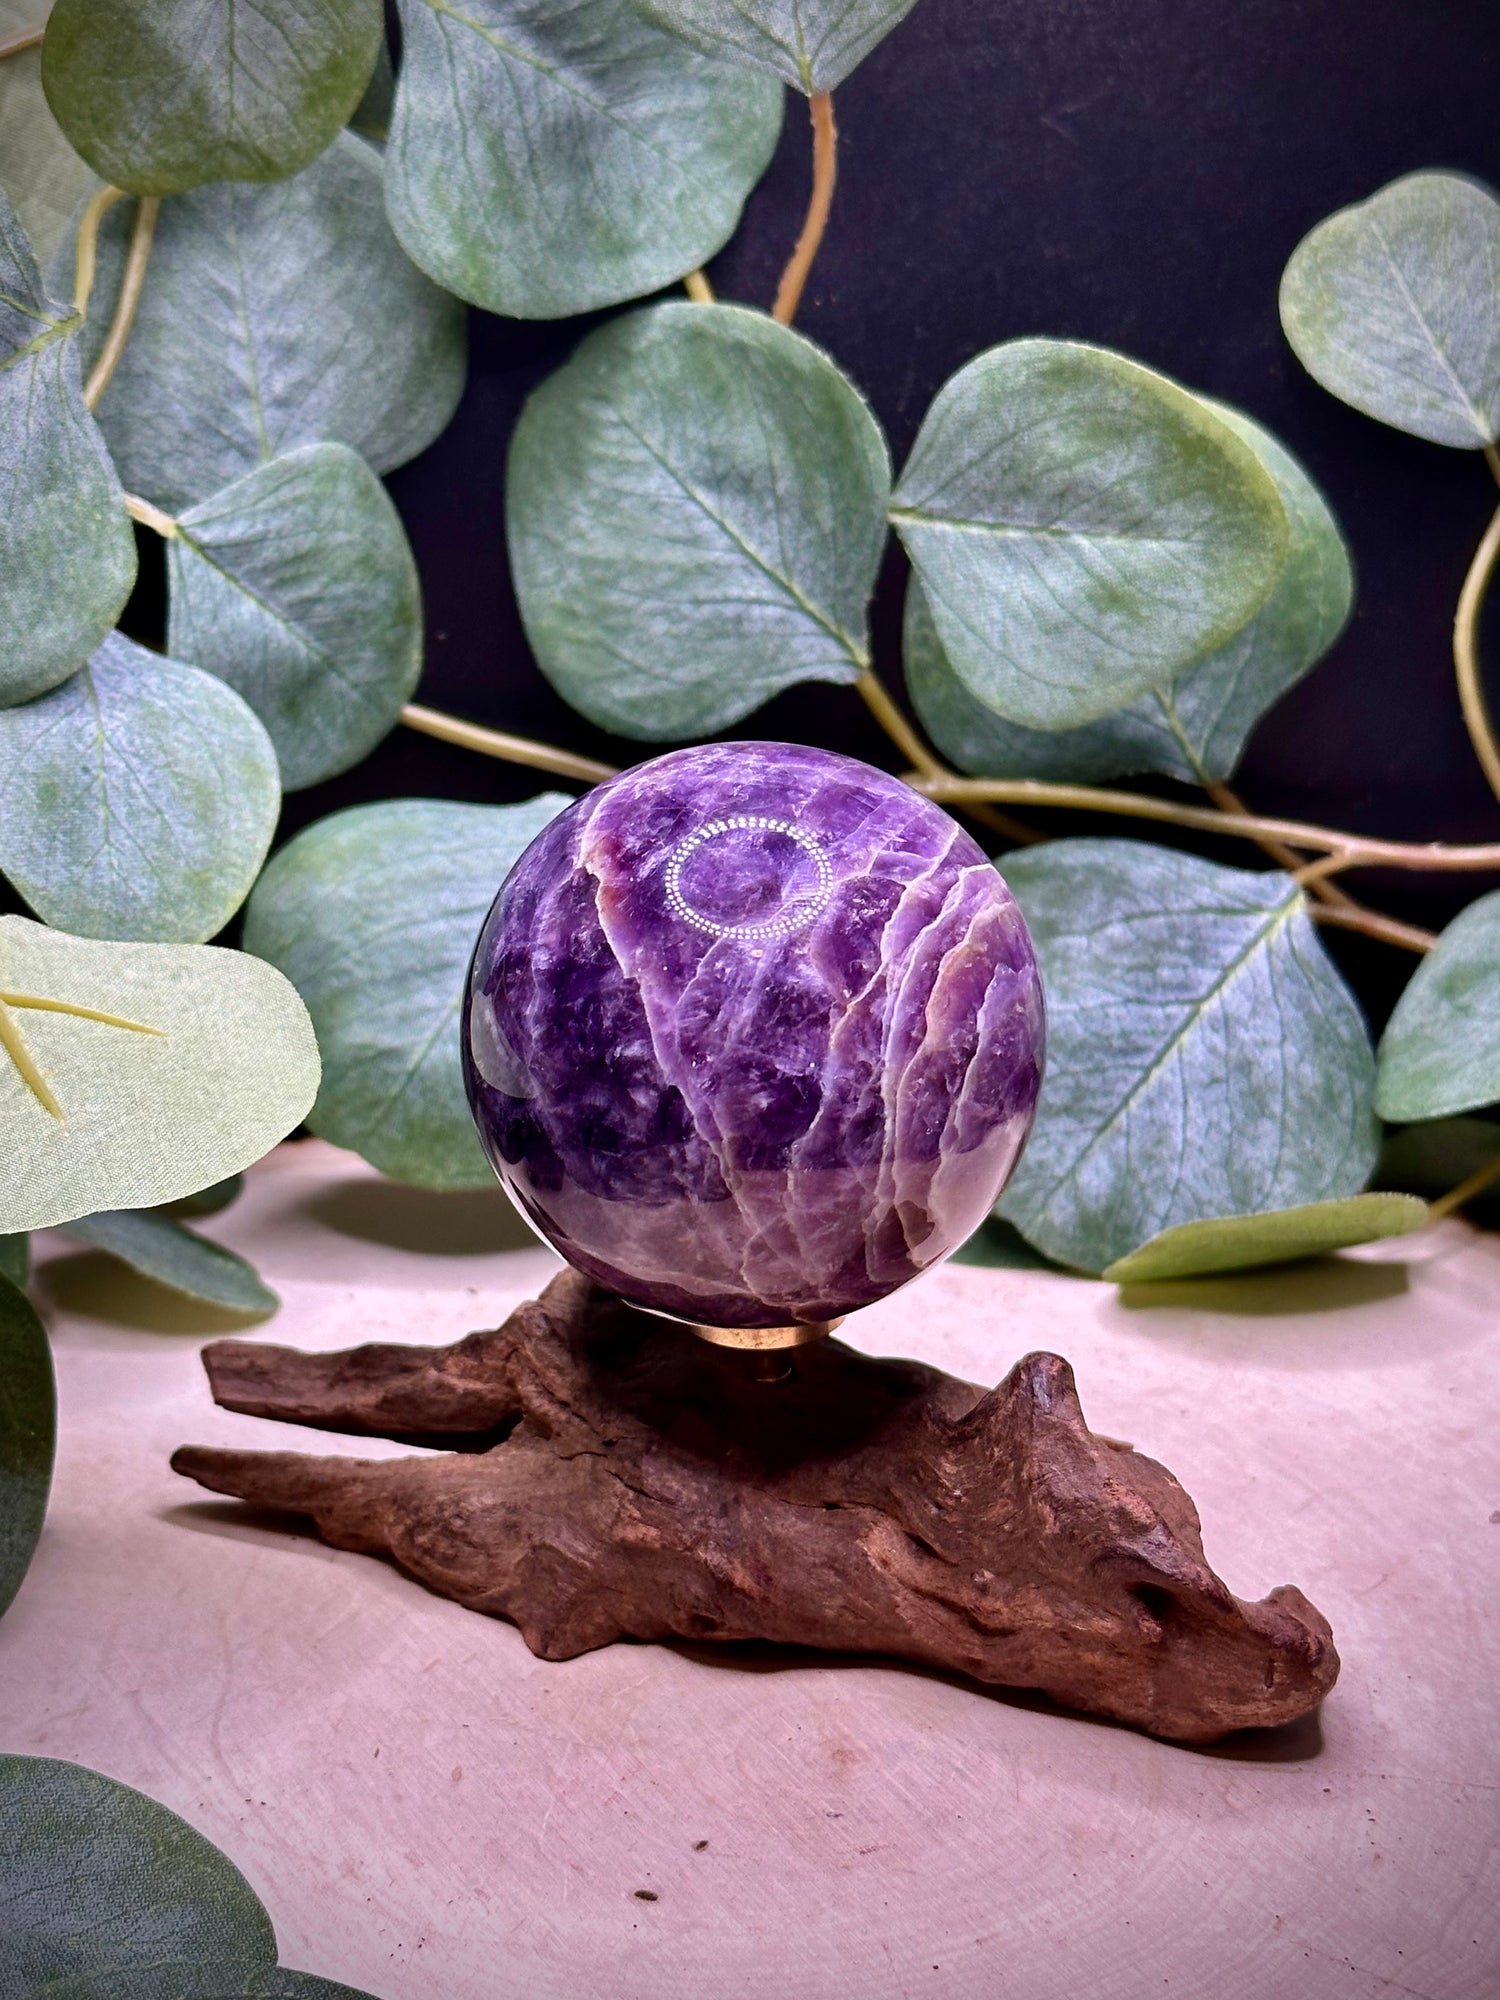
x=767 y=1350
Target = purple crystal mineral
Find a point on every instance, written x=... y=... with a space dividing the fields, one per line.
x=754 y=1034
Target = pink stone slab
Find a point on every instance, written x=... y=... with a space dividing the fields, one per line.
x=432 y=1814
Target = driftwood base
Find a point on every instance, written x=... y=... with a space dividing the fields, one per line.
x=614 y=1477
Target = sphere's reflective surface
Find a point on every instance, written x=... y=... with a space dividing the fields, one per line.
x=754 y=1034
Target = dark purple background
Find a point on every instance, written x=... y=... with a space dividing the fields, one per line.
x=1131 y=172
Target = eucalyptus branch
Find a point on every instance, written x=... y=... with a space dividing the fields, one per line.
x=825 y=172
x=150 y=517
x=911 y=746
x=1466 y=1190
x=1354 y=916
x=1466 y=645
x=22 y=38
x=86 y=247
x=1351 y=850
x=509 y=749
x=698 y=289
x=137 y=258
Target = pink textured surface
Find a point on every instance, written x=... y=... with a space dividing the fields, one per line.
x=432 y=1814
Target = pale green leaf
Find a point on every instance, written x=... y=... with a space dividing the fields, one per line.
x=15 y=1259
x=137 y=800
x=695 y=507
x=1438 y=1155
x=141 y=1118
x=373 y=915
x=67 y=549
x=998 y=1245
x=160 y=1248
x=297 y=586
x=1195 y=728
x=811 y=44
x=545 y=160
x=1441 y=1048
x=1244 y=1242
x=371 y=117
x=1204 y=1057
x=97 y=1878
x=273 y=317
x=39 y=170
x=1394 y=305
x=28 y=1435
x=1084 y=529
x=161 y=95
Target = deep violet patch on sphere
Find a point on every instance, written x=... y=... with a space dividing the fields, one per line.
x=754 y=1034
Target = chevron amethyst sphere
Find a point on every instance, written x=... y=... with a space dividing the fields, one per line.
x=754 y=1034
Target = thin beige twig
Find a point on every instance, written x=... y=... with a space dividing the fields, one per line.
x=1358 y=917
x=86 y=247
x=1466 y=1190
x=136 y=260
x=150 y=517
x=1353 y=850
x=1466 y=652
x=825 y=173
x=924 y=764
x=509 y=749
x=698 y=289
x=22 y=38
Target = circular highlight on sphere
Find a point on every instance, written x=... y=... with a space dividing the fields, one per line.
x=754 y=1034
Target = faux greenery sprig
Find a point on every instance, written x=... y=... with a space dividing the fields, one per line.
x=269 y=240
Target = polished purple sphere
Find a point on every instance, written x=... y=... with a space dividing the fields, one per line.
x=754 y=1034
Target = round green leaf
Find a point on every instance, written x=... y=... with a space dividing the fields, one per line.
x=545 y=160
x=141 y=1118
x=39 y=170
x=160 y=95
x=297 y=586
x=15 y=1259
x=96 y=1878
x=1084 y=529
x=373 y=915
x=28 y=1436
x=67 y=549
x=273 y=317
x=695 y=507
x=193 y=1979
x=1194 y=728
x=137 y=800
x=1204 y=1057
x=810 y=44
x=1394 y=306
x=160 y=1248
x=1441 y=1048
x=211 y=1199
x=1243 y=1242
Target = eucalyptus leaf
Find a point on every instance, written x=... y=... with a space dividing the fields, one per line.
x=1084 y=529
x=297 y=586
x=206 y=1059
x=997 y=1245
x=1439 y=1154
x=1245 y=1242
x=373 y=914
x=1204 y=1057
x=212 y=1199
x=97 y=1879
x=273 y=317
x=195 y=1979
x=15 y=1260
x=28 y=1437
x=160 y=95
x=1441 y=1048
x=39 y=170
x=545 y=160
x=811 y=44
x=67 y=549
x=160 y=1248
x=1394 y=305
x=137 y=800
x=695 y=507
x=1195 y=728
x=371 y=117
